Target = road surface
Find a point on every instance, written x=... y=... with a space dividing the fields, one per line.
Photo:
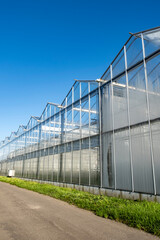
x=26 y=215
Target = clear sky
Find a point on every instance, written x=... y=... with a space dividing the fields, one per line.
x=46 y=44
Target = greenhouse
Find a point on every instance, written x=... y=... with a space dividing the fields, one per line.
x=106 y=132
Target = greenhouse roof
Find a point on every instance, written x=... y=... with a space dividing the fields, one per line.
x=133 y=47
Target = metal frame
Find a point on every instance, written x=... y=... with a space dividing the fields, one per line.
x=50 y=133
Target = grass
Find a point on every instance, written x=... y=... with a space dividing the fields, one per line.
x=139 y=214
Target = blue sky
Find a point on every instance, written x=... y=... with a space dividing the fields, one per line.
x=45 y=44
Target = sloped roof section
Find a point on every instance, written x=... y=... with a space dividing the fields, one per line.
x=134 y=52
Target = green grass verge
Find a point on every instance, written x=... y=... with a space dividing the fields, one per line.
x=142 y=215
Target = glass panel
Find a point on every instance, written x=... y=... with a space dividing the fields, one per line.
x=151 y=41
x=69 y=126
x=84 y=167
x=118 y=65
x=120 y=103
x=50 y=168
x=107 y=118
x=45 y=168
x=85 y=124
x=76 y=123
x=52 y=110
x=134 y=51
x=55 y=167
x=76 y=166
x=48 y=111
x=61 y=167
x=35 y=168
x=76 y=92
x=62 y=127
x=85 y=143
x=57 y=129
x=141 y=156
x=95 y=167
x=153 y=74
x=68 y=167
x=107 y=75
x=93 y=86
x=40 y=175
x=155 y=126
x=137 y=96
x=122 y=159
x=84 y=89
x=69 y=98
x=94 y=115
x=108 y=161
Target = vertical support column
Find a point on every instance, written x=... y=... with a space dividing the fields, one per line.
x=14 y=147
x=148 y=109
x=114 y=150
x=18 y=158
x=59 y=141
x=15 y=156
x=62 y=130
x=129 y=121
x=27 y=147
x=46 y=147
x=100 y=134
x=38 y=149
x=43 y=146
x=50 y=145
x=49 y=140
x=29 y=153
x=58 y=163
x=53 y=143
x=80 y=129
x=65 y=140
x=53 y=165
x=72 y=136
x=33 y=150
x=32 y=144
x=24 y=153
x=89 y=106
x=21 y=154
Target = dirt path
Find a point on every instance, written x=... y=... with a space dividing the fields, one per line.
x=26 y=215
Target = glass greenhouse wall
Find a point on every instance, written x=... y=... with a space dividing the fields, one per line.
x=106 y=132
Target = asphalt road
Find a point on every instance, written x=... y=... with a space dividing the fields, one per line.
x=26 y=215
